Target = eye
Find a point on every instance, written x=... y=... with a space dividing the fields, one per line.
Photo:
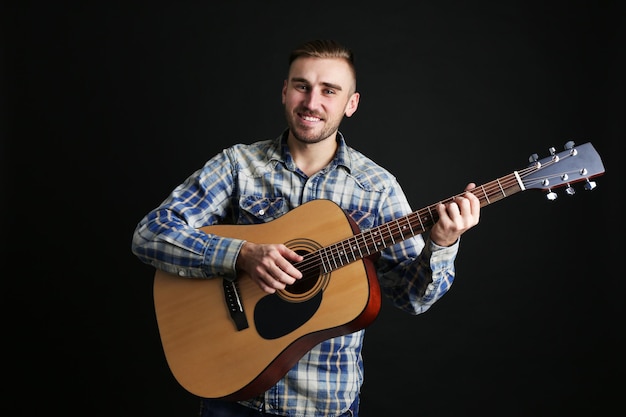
x=302 y=87
x=329 y=91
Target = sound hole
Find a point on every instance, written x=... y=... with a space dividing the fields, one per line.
x=313 y=280
x=307 y=282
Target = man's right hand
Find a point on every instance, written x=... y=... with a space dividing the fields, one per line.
x=269 y=265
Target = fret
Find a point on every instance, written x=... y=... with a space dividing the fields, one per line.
x=501 y=189
x=326 y=264
x=352 y=246
x=334 y=257
x=393 y=241
x=482 y=187
x=356 y=242
x=402 y=237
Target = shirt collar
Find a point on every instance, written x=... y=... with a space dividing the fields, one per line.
x=280 y=153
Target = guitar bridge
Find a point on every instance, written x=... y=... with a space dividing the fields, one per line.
x=233 y=301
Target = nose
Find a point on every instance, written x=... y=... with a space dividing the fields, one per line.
x=313 y=99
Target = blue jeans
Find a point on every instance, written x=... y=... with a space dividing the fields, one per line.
x=216 y=408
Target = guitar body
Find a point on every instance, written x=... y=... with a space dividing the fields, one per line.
x=212 y=358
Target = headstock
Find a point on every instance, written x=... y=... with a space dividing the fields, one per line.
x=574 y=164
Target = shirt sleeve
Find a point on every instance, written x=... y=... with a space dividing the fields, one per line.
x=415 y=273
x=414 y=285
x=170 y=237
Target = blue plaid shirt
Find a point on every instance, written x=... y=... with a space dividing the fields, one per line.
x=232 y=187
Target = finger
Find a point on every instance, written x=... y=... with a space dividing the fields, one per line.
x=293 y=256
x=271 y=284
x=464 y=205
x=280 y=278
x=454 y=209
x=290 y=271
x=264 y=286
x=444 y=215
x=289 y=257
x=290 y=276
x=473 y=207
x=469 y=209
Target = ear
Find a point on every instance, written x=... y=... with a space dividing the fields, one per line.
x=353 y=104
x=284 y=92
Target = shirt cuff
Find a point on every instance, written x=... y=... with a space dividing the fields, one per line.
x=441 y=255
x=221 y=257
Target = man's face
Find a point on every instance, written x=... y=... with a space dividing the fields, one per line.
x=316 y=95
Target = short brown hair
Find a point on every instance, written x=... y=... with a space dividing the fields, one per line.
x=324 y=48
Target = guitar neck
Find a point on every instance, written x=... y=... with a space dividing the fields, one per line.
x=376 y=239
x=421 y=220
x=572 y=165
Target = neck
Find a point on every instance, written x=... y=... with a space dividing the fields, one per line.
x=312 y=157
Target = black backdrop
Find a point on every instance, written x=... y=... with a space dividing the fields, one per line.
x=107 y=106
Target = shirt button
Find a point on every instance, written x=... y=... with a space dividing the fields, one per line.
x=261 y=212
x=181 y=273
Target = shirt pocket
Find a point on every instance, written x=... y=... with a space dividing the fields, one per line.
x=257 y=209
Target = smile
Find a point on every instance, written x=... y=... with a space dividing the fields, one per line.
x=310 y=118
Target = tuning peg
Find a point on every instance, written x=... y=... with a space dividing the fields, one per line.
x=589 y=185
x=570 y=190
x=551 y=195
x=555 y=157
x=569 y=145
x=533 y=158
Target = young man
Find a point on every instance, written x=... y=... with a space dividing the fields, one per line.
x=262 y=181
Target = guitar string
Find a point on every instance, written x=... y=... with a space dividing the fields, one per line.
x=370 y=239
x=313 y=260
x=337 y=255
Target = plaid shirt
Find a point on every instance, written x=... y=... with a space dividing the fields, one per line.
x=250 y=184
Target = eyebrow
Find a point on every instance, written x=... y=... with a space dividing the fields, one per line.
x=326 y=84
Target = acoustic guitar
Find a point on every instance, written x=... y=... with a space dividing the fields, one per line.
x=230 y=340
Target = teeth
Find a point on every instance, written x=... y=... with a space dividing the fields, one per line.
x=310 y=118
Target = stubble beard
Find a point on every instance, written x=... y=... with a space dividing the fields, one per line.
x=309 y=136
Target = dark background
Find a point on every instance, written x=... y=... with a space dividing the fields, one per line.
x=107 y=106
